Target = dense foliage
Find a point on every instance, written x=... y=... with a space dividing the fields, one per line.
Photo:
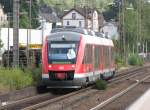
x=119 y=61
x=24 y=12
x=134 y=59
x=134 y=25
x=61 y=5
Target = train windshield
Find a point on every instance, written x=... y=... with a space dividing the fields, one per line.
x=62 y=53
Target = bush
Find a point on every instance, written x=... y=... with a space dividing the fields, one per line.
x=15 y=78
x=35 y=73
x=119 y=61
x=101 y=84
x=134 y=59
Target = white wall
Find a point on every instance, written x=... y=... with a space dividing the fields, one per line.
x=73 y=22
x=95 y=21
x=3 y=17
x=111 y=30
x=36 y=36
x=69 y=15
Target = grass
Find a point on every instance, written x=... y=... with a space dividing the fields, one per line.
x=14 y=79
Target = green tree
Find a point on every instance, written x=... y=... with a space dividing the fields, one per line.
x=137 y=24
x=131 y=28
x=25 y=11
x=67 y=4
x=1 y=44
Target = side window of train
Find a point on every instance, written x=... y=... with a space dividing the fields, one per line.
x=106 y=56
x=97 y=56
x=87 y=54
x=112 y=54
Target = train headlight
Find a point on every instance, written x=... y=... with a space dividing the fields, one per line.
x=73 y=66
x=50 y=66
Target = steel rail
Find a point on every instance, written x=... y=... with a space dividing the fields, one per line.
x=130 y=70
x=36 y=106
x=106 y=102
x=11 y=104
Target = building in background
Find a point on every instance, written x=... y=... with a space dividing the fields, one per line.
x=83 y=17
x=110 y=29
x=3 y=17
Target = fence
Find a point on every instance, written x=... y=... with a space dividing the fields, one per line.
x=33 y=61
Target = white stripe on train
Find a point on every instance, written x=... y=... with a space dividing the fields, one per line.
x=83 y=75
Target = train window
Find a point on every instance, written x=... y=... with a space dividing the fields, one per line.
x=112 y=54
x=87 y=54
x=71 y=53
x=106 y=56
x=97 y=57
x=62 y=52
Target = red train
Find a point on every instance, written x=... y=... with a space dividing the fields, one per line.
x=72 y=58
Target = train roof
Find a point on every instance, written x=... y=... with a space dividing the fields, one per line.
x=79 y=30
x=70 y=29
x=73 y=36
x=64 y=36
x=69 y=35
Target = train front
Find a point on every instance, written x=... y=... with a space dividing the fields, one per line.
x=59 y=57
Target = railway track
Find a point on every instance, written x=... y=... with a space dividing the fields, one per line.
x=46 y=99
x=113 y=98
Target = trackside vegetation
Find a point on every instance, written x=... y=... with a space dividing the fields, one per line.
x=135 y=59
x=16 y=78
x=101 y=84
x=119 y=62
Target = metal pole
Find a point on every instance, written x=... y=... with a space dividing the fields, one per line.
x=29 y=34
x=146 y=50
x=30 y=21
x=138 y=26
x=16 y=33
x=119 y=25
x=8 y=38
x=140 y=34
x=123 y=34
x=27 y=49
